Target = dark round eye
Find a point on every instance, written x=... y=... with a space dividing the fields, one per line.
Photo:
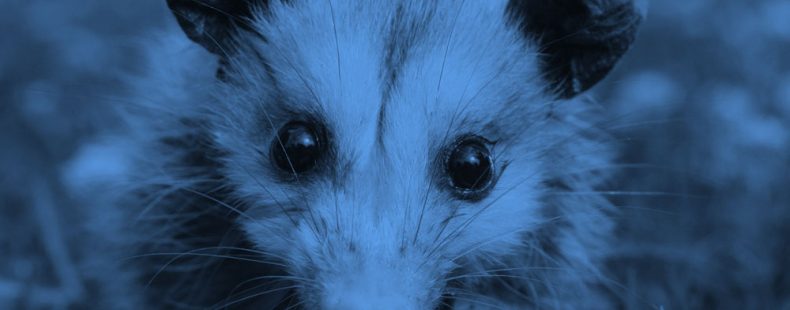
x=470 y=166
x=297 y=147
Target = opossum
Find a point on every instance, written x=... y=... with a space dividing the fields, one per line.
x=363 y=155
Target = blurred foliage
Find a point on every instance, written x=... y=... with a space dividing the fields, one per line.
x=703 y=109
x=701 y=106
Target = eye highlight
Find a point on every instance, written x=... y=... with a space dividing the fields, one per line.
x=470 y=168
x=297 y=147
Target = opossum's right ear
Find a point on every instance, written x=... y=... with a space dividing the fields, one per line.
x=211 y=23
x=579 y=41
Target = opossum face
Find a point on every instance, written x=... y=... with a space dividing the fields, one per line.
x=382 y=147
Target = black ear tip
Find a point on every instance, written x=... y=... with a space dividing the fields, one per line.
x=210 y=23
x=581 y=40
x=607 y=38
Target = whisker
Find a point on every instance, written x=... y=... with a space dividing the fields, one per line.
x=456 y=232
x=627 y=193
x=221 y=203
x=474 y=298
x=225 y=305
x=276 y=279
x=193 y=253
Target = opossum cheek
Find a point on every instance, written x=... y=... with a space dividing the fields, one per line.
x=281 y=237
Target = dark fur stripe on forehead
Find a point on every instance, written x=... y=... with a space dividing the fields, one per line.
x=405 y=30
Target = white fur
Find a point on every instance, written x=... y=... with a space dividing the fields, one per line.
x=376 y=242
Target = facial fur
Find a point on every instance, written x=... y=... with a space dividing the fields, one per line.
x=390 y=89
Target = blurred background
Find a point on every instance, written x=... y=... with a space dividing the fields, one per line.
x=701 y=106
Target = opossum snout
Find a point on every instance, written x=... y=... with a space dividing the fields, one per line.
x=372 y=285
x=376 y=274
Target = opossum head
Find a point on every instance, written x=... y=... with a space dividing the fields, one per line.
x=380 y=147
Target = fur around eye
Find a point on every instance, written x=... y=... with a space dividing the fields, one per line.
x=318 y=156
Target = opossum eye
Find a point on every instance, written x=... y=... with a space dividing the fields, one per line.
x=470 y=167
x=297 y=147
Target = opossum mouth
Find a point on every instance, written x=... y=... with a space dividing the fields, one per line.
x=291 y=302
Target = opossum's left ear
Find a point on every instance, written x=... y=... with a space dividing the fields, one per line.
x=580 y=41
x=211 y=23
